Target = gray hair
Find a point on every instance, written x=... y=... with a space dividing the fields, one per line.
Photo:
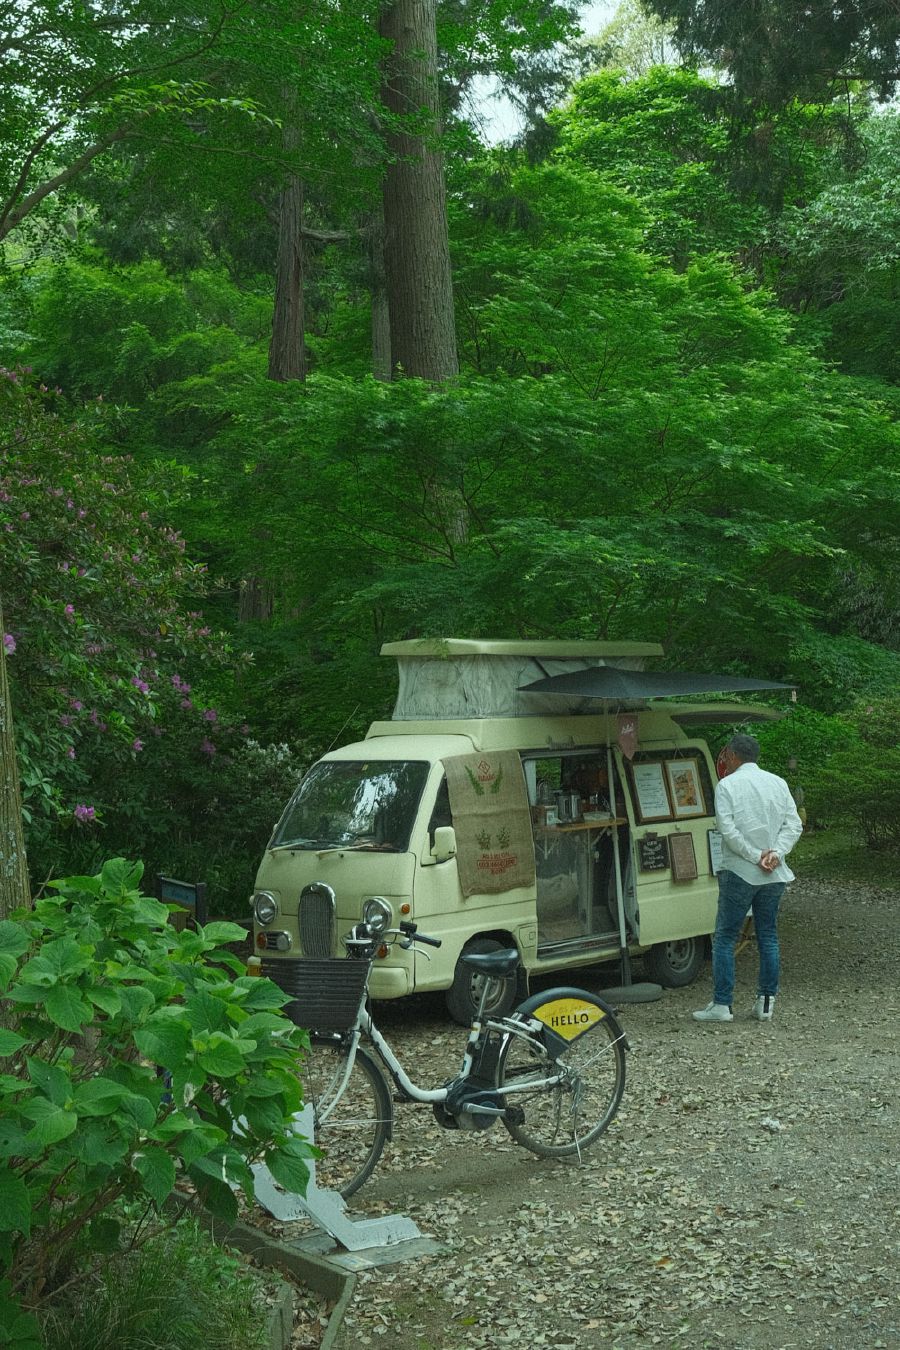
x=745 y=748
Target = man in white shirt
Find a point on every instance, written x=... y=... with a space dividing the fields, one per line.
x=758 y=821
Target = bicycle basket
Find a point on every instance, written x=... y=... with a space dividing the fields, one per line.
x=325 y=993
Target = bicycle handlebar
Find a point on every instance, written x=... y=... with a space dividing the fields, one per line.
x=414 y=935
x=361 y=938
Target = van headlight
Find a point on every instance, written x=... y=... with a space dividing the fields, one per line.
x=265 y=908
x=377 y=913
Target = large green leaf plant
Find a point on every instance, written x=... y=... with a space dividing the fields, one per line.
x=136 y=1060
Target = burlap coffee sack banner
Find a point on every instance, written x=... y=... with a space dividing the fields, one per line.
x=492 y=820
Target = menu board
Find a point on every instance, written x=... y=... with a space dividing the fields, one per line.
x=650 y=791
x=653 y=853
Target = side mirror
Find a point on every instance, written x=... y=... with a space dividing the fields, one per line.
x=444 y=843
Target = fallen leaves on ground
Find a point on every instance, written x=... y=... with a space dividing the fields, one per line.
x=743 y=1199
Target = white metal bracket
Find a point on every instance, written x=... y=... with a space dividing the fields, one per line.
x=327 y=1209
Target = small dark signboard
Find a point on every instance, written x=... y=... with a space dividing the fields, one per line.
x=684 y=860
x=653 y=853
x=191 y=896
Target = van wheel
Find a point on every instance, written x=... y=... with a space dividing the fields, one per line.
x=676 y=964
x=465 y=991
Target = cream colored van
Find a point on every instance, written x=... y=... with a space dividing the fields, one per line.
x=599 y=837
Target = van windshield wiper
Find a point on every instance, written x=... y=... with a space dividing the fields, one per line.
x=333 y=845
x=312 y=844
x=374 y=848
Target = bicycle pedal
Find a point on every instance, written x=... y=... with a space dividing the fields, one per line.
x=514 y=1115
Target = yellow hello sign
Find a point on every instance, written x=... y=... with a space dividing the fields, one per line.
x=569 y=1017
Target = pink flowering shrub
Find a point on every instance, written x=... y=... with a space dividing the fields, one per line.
x=104 y=638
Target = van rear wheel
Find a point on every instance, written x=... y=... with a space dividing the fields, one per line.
x=676 y=964
x=464 y=993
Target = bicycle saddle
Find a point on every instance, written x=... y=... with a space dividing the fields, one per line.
x=492 y=963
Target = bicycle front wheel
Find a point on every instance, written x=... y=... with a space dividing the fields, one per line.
x=352 y=1113
x=567 y=1082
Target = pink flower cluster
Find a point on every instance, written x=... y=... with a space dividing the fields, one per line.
x=83 y=814
x=9 y=643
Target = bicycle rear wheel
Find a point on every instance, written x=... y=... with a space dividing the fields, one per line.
x=353 y=1125
x=568 y=1084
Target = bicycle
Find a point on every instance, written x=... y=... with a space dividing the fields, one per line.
x=552 y=1071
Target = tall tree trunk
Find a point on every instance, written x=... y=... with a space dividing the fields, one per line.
x=381 y=319
x=287 y=350
x=256 y=599
x=15 y=889
x=417 y=247
x=287 y=346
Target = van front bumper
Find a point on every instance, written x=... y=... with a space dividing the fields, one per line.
x=389 y=982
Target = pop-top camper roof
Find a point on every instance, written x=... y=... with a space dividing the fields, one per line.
x=449 y=678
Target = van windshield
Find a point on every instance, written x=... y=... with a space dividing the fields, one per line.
x=354 y=804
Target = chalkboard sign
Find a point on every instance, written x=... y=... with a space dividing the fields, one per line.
x=653 y=853
x=684 y=860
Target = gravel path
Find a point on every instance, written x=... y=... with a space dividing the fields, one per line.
x=745 y=1197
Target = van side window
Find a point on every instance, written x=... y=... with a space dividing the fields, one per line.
x=441 y=813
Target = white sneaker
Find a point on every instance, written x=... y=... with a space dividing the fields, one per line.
x=715 y=1012
x=764 y=1007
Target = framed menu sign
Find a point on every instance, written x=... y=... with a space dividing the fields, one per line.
x=684 y=783
x=653 y=853
x=650 y=791
x=684 y=860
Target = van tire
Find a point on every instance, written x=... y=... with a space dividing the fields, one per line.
x=463 y=995
x=677 y=964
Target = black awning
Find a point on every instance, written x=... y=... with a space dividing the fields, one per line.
x=616 y=686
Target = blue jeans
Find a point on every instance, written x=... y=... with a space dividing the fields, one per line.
x=736 y=896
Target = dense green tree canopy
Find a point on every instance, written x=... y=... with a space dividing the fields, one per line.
x=712 y=172
x=77 y=80
x=835 y=256
x=728 y=471
x=777 y=50
x=183 y=103
x=675 y=416
x=633 y=41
